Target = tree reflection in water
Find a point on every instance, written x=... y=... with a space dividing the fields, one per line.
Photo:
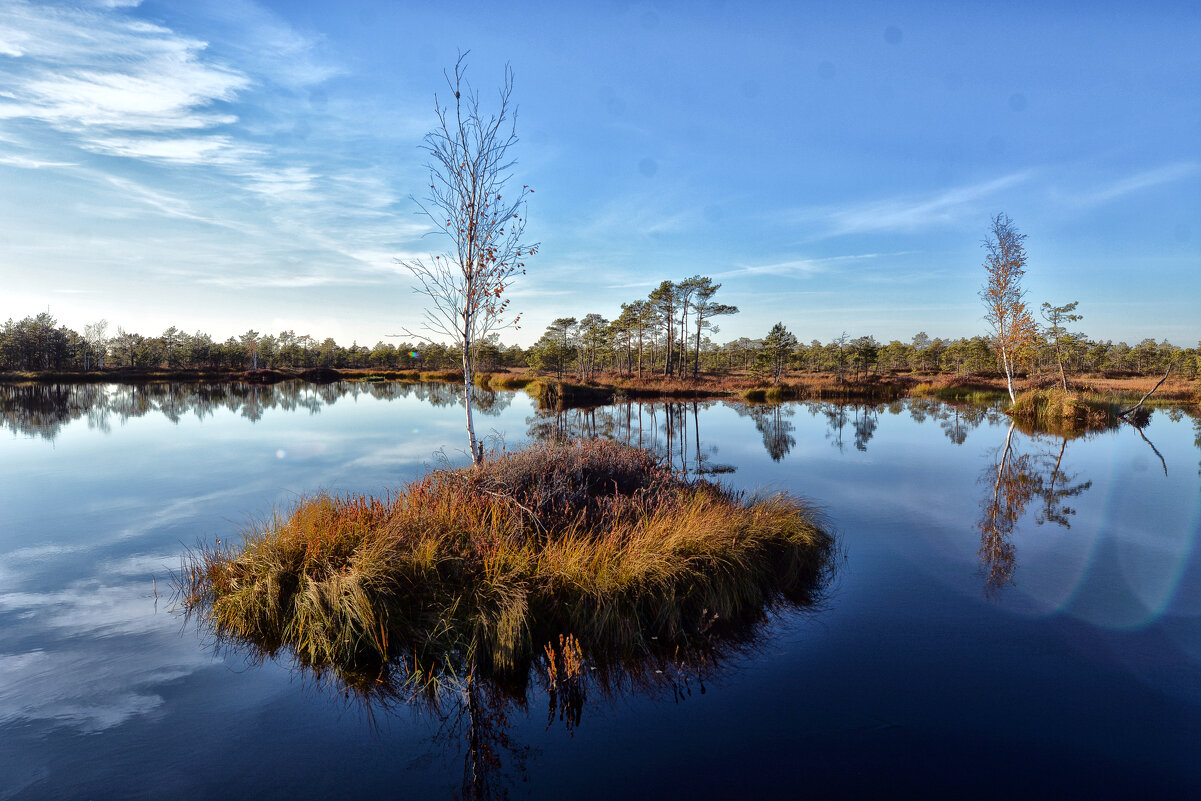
x=1017 y=476
x=672 y=429
x=955 y=419
x=774 y=422
x=669 y=429
x=43 y=410
x=1197 y=439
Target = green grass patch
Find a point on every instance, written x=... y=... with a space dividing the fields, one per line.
x=483 y=565
x=440 y=375
x=958 y=392
x=774 y=394
x=778 y=394
x=498 y=381
x=554 y=393
x=509 y=381
x=1056 y=410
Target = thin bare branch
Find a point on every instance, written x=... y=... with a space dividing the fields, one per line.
x=1138 y=405
x=469 y=173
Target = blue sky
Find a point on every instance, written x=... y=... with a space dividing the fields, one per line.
x=228 y=165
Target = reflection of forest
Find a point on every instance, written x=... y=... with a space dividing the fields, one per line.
x=45 y=409
x=671 y=430
x=1176 y=414
x=955 y=419
x=1020 y=474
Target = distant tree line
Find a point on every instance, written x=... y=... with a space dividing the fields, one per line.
x=662 y=334
x=39 y=343
x=581 y=350
x=665 y=334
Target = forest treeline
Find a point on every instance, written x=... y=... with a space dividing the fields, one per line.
x=667 y=333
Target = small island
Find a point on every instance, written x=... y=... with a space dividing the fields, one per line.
x=493 y=561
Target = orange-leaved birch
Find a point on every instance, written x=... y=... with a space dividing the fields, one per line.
x=1014 y=331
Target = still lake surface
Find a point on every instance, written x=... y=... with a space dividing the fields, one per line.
x=1000 y=621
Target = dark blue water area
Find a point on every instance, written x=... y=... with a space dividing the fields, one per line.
x=1051 y=649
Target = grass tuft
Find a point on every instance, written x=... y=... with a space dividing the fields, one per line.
x=554 y=393
x=509 y=380
x=1057 y=410
x=594 y=538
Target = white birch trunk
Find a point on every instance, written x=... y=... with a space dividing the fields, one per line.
x=477 y=448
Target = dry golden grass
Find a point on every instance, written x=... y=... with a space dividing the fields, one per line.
x=503 y=380
x=1174 y=389
x=592 y=538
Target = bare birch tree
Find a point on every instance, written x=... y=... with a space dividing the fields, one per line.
x=1014 y=329
x=469 y=171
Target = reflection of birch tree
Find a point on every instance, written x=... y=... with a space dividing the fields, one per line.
x=490 y=753
x=1015 y=479
x=1010 y=494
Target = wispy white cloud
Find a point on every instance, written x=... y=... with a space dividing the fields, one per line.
x=804 y=267
x=1168 y=173
x=793 y=267
x=32 y=164
x=158 y=92
x=100 y=79
x=909 y=212
x=162 y=203
x=117 y=84
x=269 y=46
x=285 y=183
x=643 y=214
x=527 y=292
x=283 y=281
x=210 y=150
x=385 y=261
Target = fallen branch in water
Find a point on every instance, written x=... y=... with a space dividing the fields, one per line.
x=1153 y=448
x=1138 y=405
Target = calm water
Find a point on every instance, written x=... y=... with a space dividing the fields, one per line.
x=1002 y=621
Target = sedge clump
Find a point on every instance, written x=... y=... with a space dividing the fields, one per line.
x=489 y=562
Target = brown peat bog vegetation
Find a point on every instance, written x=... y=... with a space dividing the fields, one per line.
x=595 y=547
